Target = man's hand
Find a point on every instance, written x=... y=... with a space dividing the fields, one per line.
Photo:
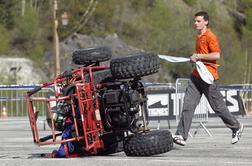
x=194 y=58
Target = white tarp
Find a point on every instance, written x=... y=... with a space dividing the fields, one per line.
x=201 y=68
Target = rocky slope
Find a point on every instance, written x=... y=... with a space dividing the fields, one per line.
x=20 y=71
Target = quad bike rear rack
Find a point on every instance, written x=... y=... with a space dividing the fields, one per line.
x=91 y=126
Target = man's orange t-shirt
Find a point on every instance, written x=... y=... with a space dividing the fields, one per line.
x=208 y=43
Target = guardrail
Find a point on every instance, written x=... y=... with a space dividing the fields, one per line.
x=162 y=102
x=13 y=100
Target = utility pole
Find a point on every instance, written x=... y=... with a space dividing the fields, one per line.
x=56 y=38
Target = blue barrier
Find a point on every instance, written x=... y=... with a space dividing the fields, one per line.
x=13 y=97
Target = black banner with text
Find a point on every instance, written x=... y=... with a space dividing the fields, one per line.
x=162 y=103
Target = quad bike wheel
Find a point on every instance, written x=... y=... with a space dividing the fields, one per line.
x=149 y=143
x=135 y=66
x=91 y=55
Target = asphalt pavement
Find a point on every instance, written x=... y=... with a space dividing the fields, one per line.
x=17 y=147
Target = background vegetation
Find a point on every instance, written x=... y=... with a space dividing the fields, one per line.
x=161 y=26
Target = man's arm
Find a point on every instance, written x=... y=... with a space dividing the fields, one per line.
x=210 y=56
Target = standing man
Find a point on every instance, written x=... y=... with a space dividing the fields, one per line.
x=208 y=51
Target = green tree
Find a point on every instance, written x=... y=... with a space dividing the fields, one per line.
x=4 y=40
x=7 y=13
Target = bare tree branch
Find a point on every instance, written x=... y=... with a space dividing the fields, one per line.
x=85 y=17
x=23 y=8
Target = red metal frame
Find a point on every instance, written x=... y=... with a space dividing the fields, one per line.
x=88 y=106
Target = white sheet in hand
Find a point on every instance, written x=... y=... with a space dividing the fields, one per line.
x=205 y=75
x=174 y=59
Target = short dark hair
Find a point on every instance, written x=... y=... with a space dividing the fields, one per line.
x=204 y=14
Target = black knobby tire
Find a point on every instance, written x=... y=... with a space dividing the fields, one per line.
x=135 y=66
x=91 y=55
x=100 y=76
x=148 y=144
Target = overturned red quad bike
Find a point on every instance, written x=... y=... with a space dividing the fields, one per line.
x=100 y=110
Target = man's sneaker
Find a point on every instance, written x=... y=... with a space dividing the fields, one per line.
x=236 y=136
x=178 y=139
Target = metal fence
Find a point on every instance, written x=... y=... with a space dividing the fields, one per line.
x=201 y=111
x=159 y=98
x=13 y=100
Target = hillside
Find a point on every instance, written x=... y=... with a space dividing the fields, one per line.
x=160 y=26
